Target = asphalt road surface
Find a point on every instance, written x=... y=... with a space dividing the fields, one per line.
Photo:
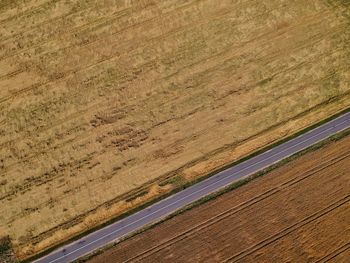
x=159 y=210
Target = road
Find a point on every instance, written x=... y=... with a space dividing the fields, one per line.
x=159 y=210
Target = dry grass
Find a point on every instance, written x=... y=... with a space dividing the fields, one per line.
x=299 y=212
x=101 y=101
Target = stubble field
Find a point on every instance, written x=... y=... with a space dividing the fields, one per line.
x=299 y=212
x=107 y=104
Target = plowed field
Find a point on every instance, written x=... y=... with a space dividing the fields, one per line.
x=299 y=212
x=107 y=104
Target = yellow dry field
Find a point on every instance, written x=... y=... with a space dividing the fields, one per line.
x=107 y=104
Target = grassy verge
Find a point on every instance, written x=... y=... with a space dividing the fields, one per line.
x=229 y=188
x=188 y=184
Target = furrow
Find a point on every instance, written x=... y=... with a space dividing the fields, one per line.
x=269 y=193
x=309 y=219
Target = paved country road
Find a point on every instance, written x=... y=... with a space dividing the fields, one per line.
x=214 y=183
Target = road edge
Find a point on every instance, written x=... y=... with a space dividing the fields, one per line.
x=227 y=189
x=188 y=184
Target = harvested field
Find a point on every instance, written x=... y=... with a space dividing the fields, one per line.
x=107 y=104
x=299 y=212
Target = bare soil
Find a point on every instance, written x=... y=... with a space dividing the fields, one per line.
x=299 y=212
x=105 y=105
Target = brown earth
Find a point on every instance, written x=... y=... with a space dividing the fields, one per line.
x=299 y=212
x=107 y=104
